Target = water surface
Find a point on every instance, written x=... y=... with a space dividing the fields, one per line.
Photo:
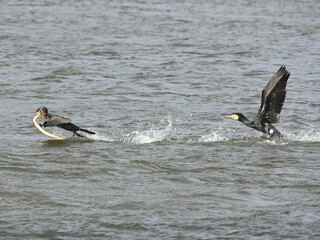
x=155 y=79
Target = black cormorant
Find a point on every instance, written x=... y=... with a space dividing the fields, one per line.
x=272 y=99
x=51 y=120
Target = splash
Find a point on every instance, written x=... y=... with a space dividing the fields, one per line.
x=217 y=136
x=151 y=135
x=304 y=136
x=99 y=137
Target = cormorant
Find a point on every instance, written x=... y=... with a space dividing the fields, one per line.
x=272 y=99
x=51 y=120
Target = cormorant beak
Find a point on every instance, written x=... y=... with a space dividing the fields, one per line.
x=38 y=113
x=233 y=116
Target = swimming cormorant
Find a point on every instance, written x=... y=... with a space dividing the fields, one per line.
x=51 y=120
x=272 y=99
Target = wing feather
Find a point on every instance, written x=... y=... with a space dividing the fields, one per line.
x=273 y=96
x=55 y=120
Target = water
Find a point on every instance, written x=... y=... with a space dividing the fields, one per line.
x=155 y=79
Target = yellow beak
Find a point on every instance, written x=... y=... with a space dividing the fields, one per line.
x=233 y=116
x=38 y=113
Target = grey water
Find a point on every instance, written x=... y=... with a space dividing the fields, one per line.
x=154 y=80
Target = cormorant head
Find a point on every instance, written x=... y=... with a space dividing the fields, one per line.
x=42 y=111
x=237 y=116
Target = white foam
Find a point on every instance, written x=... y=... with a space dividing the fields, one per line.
x=148 y=136
x=304 y=136
x=151 y=135
x=213 y=137
x=98 y=137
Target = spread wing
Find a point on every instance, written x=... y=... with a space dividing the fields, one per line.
x=55 y=120
x=273 y=96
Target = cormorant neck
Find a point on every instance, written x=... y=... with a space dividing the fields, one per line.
x=45 y=116
x=244 y=120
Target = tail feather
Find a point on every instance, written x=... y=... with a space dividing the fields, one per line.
x=86 y=131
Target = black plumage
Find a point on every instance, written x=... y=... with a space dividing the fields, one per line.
x=52 y=120
x=272 y=100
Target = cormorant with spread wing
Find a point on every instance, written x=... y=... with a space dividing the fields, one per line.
x=51 y=120
x=272 y=99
